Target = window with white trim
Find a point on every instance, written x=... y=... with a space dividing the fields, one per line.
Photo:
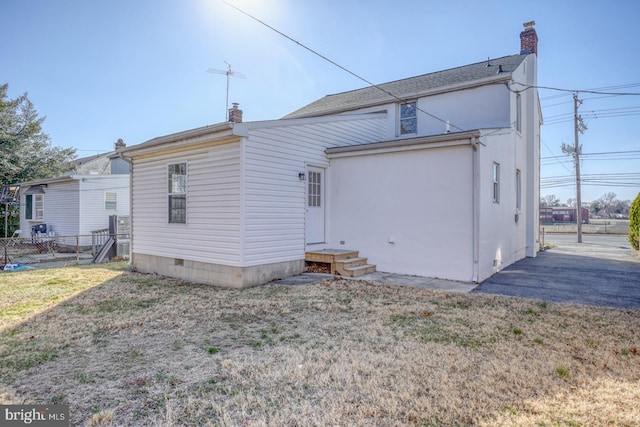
x=496 y=182
x=177 y=200
x=518 y=189
x=518 y=112
x=110 y=201
x=34 y=207
x=408 y=118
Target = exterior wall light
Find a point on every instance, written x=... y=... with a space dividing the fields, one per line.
x=302 y=176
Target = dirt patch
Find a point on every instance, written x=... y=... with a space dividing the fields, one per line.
x=144 y=350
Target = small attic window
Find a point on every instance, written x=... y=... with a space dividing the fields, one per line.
x=408 y=118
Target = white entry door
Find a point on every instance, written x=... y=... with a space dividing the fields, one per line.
x=315 y=205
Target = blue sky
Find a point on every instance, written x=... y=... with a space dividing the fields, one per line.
x=103 y=70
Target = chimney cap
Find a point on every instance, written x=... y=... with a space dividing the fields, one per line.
x=529 y=39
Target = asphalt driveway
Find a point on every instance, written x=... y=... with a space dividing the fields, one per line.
x=600 y=271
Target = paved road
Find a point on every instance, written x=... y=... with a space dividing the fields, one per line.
x=600 y=271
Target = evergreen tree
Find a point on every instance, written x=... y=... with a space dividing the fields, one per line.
x=634 y=222
x=26 y=153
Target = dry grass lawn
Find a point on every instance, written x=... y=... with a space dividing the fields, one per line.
x=123 y=348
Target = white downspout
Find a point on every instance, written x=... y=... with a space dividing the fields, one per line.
x=130 y=162
x=475 y=209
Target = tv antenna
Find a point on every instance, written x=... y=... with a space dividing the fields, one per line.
x=228 y=72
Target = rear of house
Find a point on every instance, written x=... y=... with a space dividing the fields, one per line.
x=435 y=175
x=226 y=204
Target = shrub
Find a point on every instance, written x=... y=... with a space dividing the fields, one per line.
x=634 y=222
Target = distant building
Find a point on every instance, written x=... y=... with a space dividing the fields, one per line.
x=561 y=214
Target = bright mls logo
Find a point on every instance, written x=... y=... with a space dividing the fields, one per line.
x=34 y=415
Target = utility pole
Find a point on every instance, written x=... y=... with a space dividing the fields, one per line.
x=575 y=151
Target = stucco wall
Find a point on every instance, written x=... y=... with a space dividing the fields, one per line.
x=408 y=212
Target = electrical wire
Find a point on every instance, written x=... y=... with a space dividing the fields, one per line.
x=336 y=64
x=597 y=92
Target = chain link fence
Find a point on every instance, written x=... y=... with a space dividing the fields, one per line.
x=43 y=251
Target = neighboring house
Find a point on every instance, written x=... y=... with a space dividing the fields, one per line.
x=239 y=204
x=79 y=202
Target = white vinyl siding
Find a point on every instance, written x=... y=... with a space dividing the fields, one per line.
x=212 y=233
x=275 y=198
x=91 y=202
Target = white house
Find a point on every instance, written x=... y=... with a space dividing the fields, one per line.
x=78 y=202
x=436 y=175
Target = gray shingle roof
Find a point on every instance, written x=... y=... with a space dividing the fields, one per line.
x=407 y=88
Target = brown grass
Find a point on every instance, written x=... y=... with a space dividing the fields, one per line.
x=134 y=349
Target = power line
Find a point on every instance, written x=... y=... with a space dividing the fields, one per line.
x=597 y=92
x=336 y=64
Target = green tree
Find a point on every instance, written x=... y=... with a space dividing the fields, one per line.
x=634 y=222
x=549 y=200
x=26 y=153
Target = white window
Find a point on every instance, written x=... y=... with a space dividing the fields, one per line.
x=518 y=113
x=315 y=190
x=496 y=182
x=110 y=201
x=518 y=190
x=408 y=118
x=34 y=207
x=178 y=193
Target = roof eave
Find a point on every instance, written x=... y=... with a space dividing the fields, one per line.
x=218 y=132
x=431 y=141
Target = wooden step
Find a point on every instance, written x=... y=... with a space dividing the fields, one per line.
x=359 y=270
x=329 y=255
x=351 y=262
x=343 y=262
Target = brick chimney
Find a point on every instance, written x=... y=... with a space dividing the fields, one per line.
x=529 y=39
x=235 y=114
